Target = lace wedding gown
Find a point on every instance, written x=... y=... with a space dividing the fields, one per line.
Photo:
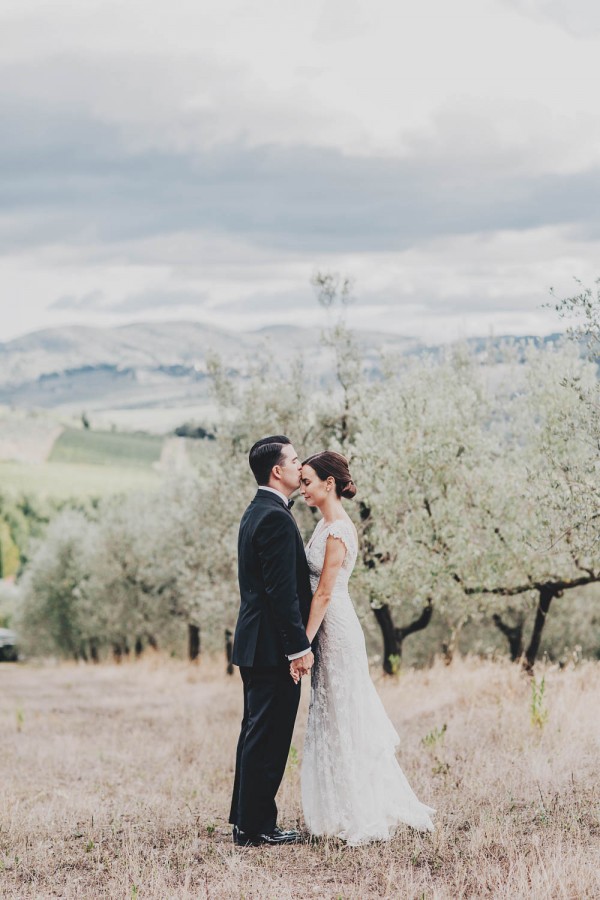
x=352 y=785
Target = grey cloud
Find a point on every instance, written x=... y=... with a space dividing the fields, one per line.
x=581 y=18
x=469 y=303
x=70 y=177
x=91 y=300
x=429 y=301
x=432 y=302
x=167 y=300
x=268 y=303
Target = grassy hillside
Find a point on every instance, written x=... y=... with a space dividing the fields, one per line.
x=87 y=464
x=106 y=448
x=64 y=480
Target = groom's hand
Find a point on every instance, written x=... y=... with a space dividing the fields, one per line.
x=301 y=666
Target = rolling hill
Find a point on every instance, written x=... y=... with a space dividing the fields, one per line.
x=153 y=376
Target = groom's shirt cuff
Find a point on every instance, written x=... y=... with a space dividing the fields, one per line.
x=291 y=656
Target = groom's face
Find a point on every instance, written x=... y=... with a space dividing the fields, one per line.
x=288 y=470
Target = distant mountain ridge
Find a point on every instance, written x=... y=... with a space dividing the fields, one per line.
x=56 y=350
x=163 y=365
x=182 y=346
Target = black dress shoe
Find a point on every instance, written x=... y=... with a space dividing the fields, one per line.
x=244 y=839
x=271 y=838
x=278 y=836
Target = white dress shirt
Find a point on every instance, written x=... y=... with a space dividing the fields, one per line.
x=277 y=493
x=285 y=499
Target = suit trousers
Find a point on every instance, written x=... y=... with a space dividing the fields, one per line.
x=270 y=705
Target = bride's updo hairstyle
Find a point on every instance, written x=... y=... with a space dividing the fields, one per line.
x=329 y=463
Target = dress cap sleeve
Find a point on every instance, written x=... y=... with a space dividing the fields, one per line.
x=343 y=531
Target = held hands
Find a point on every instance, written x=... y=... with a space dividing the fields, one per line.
x=301 y=666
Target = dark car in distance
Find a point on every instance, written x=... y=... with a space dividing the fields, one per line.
x=9 y=651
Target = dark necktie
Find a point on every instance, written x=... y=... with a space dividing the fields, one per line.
x=290 y=503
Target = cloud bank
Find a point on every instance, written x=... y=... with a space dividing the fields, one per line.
x=188 y=163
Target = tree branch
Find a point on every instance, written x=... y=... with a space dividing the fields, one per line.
x=418 y=624
x=556 y=585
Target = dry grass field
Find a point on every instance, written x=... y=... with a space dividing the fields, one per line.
x=115 y=783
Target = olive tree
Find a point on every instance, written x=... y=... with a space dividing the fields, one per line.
x=468 y=506
x=50 y=615
x=419 y=443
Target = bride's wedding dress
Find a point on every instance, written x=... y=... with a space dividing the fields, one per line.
x=352 y=785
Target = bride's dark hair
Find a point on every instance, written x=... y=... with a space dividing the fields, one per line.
x=329 y=463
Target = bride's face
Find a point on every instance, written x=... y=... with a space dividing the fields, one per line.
x=312 y=488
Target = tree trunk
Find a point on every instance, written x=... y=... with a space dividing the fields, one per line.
x=118 y=653
x=193 y=642
x=546 y=595
x=152 y=642
x=138 y=647
x=449 y=647
x=228 y=650
x=391 y=647
x=393 y=637
x=94 y=652
x=513 y=634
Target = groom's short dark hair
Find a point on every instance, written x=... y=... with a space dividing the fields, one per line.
x=265 y=454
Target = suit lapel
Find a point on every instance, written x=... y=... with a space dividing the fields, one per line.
x=273 y=500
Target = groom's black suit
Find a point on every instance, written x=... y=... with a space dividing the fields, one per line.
x=275 y=603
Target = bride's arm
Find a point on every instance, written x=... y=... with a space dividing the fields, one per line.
x=335 y=552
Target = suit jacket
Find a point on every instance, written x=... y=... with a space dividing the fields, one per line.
x=274 y=585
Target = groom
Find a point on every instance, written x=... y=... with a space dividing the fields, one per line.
x=270 y=632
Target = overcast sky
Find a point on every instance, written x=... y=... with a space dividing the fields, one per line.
x=201 y=160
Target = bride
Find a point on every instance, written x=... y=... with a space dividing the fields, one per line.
x=352 y=785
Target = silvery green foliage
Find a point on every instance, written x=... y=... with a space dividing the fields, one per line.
x=266 y=402
x=420 y=441
x=128 y=591
x=465 y=470
x=200 y=517
x=51 y=617
x=140 y=569
x=477 y=481
x=581 y=479
x=583 y=311
x=562 y=396
x=144 y=566
x=9 y=603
